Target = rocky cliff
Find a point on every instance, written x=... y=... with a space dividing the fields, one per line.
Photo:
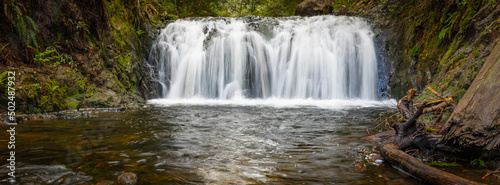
x=76 y=54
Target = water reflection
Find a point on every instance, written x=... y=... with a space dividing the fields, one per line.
x=203 y=144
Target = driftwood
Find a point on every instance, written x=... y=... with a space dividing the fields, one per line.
x=420 y=170
x=411 y=134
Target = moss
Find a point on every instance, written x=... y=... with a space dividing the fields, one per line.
x=415 y=51
x=467 y=18
x=74 y=104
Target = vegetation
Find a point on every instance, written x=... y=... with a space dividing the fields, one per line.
x=84 y=52
x=100 y=39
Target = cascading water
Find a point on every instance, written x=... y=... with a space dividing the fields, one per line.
x=324 y=57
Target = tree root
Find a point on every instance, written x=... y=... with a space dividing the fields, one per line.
x=410 y=134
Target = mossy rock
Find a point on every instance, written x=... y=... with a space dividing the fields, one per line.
x=104 y=99
x=73 y=104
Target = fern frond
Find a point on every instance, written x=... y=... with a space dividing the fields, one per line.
x=33 y=24
x=33 y=38
x=6 y=12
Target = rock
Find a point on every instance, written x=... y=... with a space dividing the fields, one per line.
x=360 y=167
x=314 y=7
x=73 y=178
x=342 y=11
x=127 y=178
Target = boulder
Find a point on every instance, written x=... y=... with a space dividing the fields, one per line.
x=314 y=7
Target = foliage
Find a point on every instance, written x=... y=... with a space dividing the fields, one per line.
x=50 y=55
x=3 y=47
x=446 y=30
x=45 y=56
x=227 y=8
x=139 y=32
x=49 y=97
x=3 y=80
x=70 y=61
x=81 y=25
x=24 y=25
x=479 y=162
x=429 y=129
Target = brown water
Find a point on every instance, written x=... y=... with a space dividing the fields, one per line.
x=203 y=144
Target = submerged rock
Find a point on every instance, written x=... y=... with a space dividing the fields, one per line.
x=73 y=178
x=127 y=179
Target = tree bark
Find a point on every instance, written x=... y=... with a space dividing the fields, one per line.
x=411 y=134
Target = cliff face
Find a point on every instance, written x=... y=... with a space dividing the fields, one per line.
x=447 y=45
x=75 y=54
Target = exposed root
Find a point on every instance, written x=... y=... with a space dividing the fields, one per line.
x=410 y=134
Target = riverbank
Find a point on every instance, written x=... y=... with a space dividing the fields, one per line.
x=69 y=114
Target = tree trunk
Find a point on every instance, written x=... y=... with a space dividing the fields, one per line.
x=475 y=122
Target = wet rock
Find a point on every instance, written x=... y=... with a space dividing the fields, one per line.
x=314 y=7
x=127 y=178
x=73 y=178
x=360 y=167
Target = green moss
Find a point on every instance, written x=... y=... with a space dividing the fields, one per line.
x=429 y=129
x=415 y=51
x=467 y=18
x=72 y=105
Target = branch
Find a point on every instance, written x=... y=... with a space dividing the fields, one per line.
x=404 y=104
x=411 y=122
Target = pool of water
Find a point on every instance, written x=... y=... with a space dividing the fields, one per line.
x=181 y=143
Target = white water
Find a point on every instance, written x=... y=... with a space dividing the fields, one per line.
x=320 y=58
x=333 y=104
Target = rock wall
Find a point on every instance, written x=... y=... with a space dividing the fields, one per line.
x=447 y=45
x=75 y=54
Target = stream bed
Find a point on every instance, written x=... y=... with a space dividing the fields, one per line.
x=177 y=142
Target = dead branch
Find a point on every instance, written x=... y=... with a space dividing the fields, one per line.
x=405 y=104
x=437 y=107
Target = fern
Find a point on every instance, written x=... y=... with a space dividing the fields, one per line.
x=3 y=79
x=448 y=25
x=443 y=32
x=15 y=16
x=34 y=26
x=3 y=47
x=139 y=32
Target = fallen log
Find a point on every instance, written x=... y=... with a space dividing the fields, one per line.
x=420 y=170
x=410 y=134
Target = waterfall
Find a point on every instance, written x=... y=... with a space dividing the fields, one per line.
x=323 y=57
